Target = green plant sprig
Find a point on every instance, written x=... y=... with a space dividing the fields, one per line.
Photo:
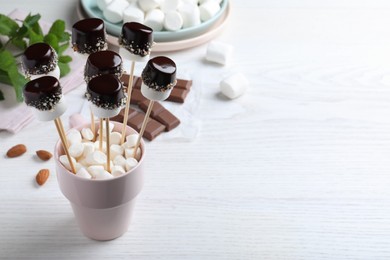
x=22 y=36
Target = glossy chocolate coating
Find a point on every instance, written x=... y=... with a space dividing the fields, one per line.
x=102 y=62
x=42 y=93
x=89 y=35
x=160 y=73
x=106 y=91
x=136 y=38
x=39 y=58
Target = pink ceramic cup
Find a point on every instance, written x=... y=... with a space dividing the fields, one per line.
x=103 y=208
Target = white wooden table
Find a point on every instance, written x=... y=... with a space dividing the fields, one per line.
x=303 y=172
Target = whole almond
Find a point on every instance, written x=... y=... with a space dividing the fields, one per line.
x=44 y=155
x=42 y=176
x=16 y=151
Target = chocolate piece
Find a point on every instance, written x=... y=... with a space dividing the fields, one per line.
x=42 y=93
x=136 y=38
x=102 y=62
x=160 y=74
x=136 y=97
x=105 y=91
x=125 y=79
x=156 y=109
x=89 y=35
x=178 y=95
x=138 y=83
x=183 y=84
x=120 y=116
x=168 y=119
x=153 y=128
x=39 y=58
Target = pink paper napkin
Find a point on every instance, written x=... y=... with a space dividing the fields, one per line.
x=14 y=116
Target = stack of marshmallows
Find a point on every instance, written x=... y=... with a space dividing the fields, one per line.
x=169 y=15
x=90 y=162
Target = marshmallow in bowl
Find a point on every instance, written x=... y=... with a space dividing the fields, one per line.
x=83 y=173
x=148 y=5
x=155 y=19
x=169 y=5
x=102 y=4
x=208 y=9
x=234 y=86
x=173 y=21
x=114 y=11
x=133 y=14
x=219 y=52
x=190 y=14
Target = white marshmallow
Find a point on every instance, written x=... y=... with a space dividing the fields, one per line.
x=83 y=162
x=234 y=85
x=96 y=158
x=155 y=95
x=64 y=160
x=126 y=55
x=119 y=160
x=130 y=163
x=83 y=173
x=129 y=153
x=208 y=9
x=104 y=146
x=73 y=136
x=133 y=14
x=105 y=165
x=115 y=150
x=76 y=150
x=88 y=149
x=173 y=21
x=117 y=171
x=104 y=113
x=94 y=169
x=54 y=73
x=194 y=2
x=169 y=5
x=115 y=138
x=102 y=4
x=204 y=1
x=190 y=14
x=103 y=175
x=154 y=19
x=131 y=140
x=147 y=5
x=219 y=52
x=87 y=134
x=111 y=127
x=114 y=11
x=48 y=115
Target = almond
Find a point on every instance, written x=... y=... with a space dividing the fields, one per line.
x=16 y=151
x=42 y=176
x=44 y=155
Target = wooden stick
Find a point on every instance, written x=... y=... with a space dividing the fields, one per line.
x=93 y=128
x=144 y=123
x=64 y=142
x=108 y=143
x=129 y=89
x=101 y=135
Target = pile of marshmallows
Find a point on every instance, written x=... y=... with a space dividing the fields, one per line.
x=90 y=162
x=169 y=15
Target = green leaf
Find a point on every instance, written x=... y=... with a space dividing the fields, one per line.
x=37 y=29
x=62 y=48
x=64 y=68
x=65 y=37
x=1 y=96
x=34 y=37
x=30 y=20
x=19 y=42
x=4 y=78
x=52 y=40
x=58 y=28
x=9 y=65
x=65 y=59
x=8 y=26
x=7 y=60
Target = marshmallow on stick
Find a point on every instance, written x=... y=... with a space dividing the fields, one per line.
x=40 y=59
x=89 y=36
x=135 y=42
x=44 y=94
x=105 y=92
x=158 y=80
x=103 y=62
